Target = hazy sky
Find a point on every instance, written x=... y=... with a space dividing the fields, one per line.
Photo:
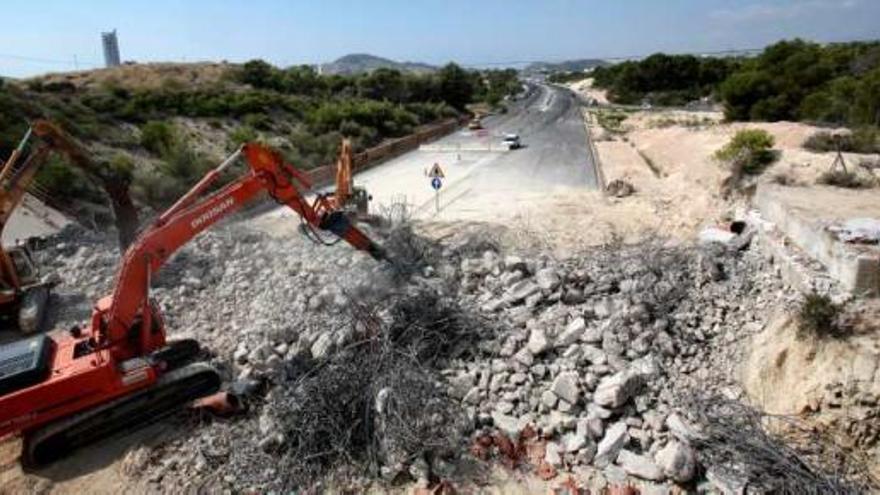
x=46 y=35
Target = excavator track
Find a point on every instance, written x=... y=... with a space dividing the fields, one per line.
x=175 y=388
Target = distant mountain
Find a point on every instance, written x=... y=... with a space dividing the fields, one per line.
x=579 y=65
x=358 y=63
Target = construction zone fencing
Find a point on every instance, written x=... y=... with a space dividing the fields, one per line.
x=325 y=174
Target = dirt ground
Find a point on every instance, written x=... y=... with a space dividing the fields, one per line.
x=586 y=89
x=98 y=469
x=668 y=157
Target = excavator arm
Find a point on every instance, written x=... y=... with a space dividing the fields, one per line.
x=194 y=213
x=115 y=185
x=14 y=179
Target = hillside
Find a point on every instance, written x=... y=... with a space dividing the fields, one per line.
x=159 y=127
x=140 y=76
x=359 y=63
x=578 y=65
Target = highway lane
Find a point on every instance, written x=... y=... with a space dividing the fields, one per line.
x=484 y=181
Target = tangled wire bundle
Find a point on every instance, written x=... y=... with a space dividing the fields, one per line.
x=773 y=454
x=377 y=403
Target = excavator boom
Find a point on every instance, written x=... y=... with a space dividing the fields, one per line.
x=119 y=372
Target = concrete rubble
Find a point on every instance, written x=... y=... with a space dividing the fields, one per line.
x=594 y=349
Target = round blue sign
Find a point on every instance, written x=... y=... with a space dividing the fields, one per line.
x=436 y=183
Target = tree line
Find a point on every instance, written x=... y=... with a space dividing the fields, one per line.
x=837 y=83
x=304 y=115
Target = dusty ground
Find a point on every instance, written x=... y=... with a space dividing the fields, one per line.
x=586 y=89
x=668 y=157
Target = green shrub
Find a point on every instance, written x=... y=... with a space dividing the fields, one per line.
x=750 y=149
x=862 y=140
x=611 y=121
x=846 y=179
x=819 y=317
x=240 y=135
x=121 y=168
x=257 y=121
x=157 y=189
x=158 y=137
x=64 y=182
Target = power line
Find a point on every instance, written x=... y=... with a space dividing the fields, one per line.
x=40 y=60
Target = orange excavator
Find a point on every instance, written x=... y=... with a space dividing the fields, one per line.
x=348 y=198
x=69 y=389
x=23 y=293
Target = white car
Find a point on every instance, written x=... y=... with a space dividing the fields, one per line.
x=511 y=141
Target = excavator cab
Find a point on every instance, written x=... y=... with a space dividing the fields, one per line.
x=359 y=202
x=25 y=268
x=24 y=363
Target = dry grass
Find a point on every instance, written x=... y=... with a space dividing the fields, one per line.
x=143 y=76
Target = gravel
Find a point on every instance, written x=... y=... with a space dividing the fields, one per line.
x=595 y=351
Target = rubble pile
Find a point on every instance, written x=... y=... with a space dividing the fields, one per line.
x=595 y=352
x=601 y=347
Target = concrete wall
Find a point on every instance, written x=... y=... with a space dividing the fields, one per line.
x=855 y=267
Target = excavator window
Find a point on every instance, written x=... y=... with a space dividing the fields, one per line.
x=24 y=266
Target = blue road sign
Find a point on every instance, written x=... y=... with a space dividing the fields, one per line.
x=436 y=183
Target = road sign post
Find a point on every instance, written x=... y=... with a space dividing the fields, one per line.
x=436 y=174
x=436 y=183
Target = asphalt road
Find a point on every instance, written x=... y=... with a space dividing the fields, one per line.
x=483 y=180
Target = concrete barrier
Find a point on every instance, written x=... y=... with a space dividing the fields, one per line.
x=456 y=148
x=855 y=267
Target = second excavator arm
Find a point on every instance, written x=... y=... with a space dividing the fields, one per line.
x=194 y=213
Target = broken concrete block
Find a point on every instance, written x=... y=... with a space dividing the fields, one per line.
x=461 y=383
x=521 y=290
x=677 y=461
x=574 y=441
x=615 y=390
x=639 y=466
x=474 y=396
x=323 y=346
x=537 y=343
x=565 y=386
x=547 y=278
x=553 y=454
x=681 y=428
x=515 y=263
x=508 y=425
x=594 y=355
x=712 y=235
x=615 y=438
x=572 y=333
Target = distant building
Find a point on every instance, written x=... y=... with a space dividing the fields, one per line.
x=111 y=48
